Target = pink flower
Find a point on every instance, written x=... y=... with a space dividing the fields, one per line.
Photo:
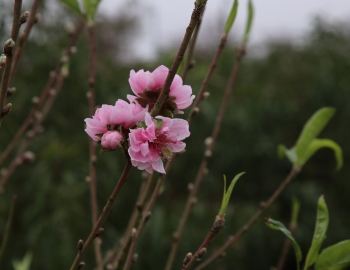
x=151 y=144
x=147 y=87
x=111 y=140
x=109 y=118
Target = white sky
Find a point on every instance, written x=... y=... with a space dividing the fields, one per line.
x=164 y=21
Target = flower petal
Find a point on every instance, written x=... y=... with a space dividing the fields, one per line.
x=138 y=80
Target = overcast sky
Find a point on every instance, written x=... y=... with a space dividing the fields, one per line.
x=164 y=21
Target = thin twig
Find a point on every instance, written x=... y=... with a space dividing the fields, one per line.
x=122 y=251
x=203 y=166
x=102 y=218
x=195 y=17
x=146 y=215
x=8 y=227
x=8 y=51
x=188 y=58
x=44 y=94
x=17 y=160
x=92 y=144
x=263 y=206
x=23 y=39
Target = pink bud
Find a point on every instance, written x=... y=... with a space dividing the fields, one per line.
x=111 y=139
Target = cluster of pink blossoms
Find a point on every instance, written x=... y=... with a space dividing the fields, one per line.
x=149 y=140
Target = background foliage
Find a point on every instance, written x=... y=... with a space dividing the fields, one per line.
x=275 y=94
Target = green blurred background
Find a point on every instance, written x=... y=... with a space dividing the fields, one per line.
x=274 y=96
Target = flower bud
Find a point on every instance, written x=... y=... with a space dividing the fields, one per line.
x=37 y=18
x=133 y=233
x=8 y=47
x=11 y=91
x=80 y=245
x=135 y=257
x=24 y=17
x=35 y=100
x=6 y=109
x=111 y=139
x=28 y=156
x=201 y=253
x=187 y=259
x=206 y=95
x=2 y=61
x=81 y=265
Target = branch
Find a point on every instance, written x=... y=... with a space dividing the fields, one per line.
x=102 y=218
x=207 y=153
x=195 y=17
x=9 y=48
x=44 y=94
x=263 y=206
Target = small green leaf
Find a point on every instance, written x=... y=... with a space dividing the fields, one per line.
x=231 y=17
x=289 y=153
x=317 y=144
x=227 y=193
x=276 y=225
x=295 y=211
x=335 y=257
x=321 y=226
x=141 y=125
x=90 y=7
x=73 y=5
x=159 y=123
x=311 y=129
x=249 y=21
x=23 y=264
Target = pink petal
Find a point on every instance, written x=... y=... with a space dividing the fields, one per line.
x=183 y=96
x=158 y=166
x=177 y=147
x=177 y=82
x=138 y=80
x=158 y=78
x=179 y=129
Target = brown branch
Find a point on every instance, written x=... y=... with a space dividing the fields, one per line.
x=92 y=144
x=195 y=17
x=146 y=215
x=9 y=48
x=23 y=39
x=263 y=206
x=31 y=133
x=207 y=154
x=44 y=94
x=102 y=218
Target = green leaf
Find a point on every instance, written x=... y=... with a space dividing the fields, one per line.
x=249 y=21
x=231 y=17
x=321 y=226
x=90 y=7
x=73 y=5
x=24 y=264
x=335 y=257
x=227 y=193
x=159 y=123
x=289 y=153
x=276 y=225
x=310 y=131
x=317 y=144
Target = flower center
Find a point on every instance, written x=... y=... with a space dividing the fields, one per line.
x=159 y=145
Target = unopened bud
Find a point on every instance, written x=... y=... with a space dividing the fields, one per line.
x=64 y=59
x=11 y=91
x=28 y=156
x=176 y=236
x=208 y=141
x=109 y=266
x=88 y=94
x=80 y=245
x=53 y=92
x=133 y=233
x=99 y=232
x=219 y=223
x=19 y=161
x=144 y=175
x=70 y=28
x=206 y=95
x=81 y=265
x=207 y=153
x=187 y=259
x=2 y=61
x=135 y=257
x=6 y=109
x=38 y=114
x=35 y=100
x=24 y=17
x=192 y=64
x=8 y=46
x=201 y=253
x=93 y=159
x=88 y=179
x=30 y=134
x=195 y=111
x=37 y=18
x=190 y=186
x=73 y=49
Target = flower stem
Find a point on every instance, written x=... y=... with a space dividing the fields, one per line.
x=9 y=56
x=44 y=94
x=195 y=17
x=263 y=206
x=102 y=218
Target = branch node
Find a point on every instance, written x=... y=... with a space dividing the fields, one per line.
x=24 y=17
x=6 y=110
x=80 y=245
x=187 y=259
x=99 y=232
x=81 y=265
